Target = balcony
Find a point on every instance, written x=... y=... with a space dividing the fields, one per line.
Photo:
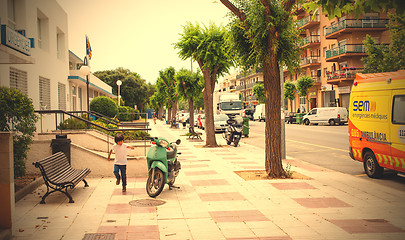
x=345 y=51
x=249 y=98
x=317 y=80
x=308 y=21
x=346 y=74
x=311 y=41
x=240 y=87
x=310 y=61
x=300 y=9
x=349 y=25
x=15 y=47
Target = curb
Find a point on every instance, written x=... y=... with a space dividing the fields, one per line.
x=28 y=189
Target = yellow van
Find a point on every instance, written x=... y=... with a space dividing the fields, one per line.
x=377 y=122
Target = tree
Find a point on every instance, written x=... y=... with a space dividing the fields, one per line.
x=104 y=105
x=209 y=47
x=258 y=90
x=17 y=115
x=387 y=58
x=134 y=90
x=335 y=8
x=289 y=91
x=304 y=83
x=264 y=35
x=189 y=86
x=167 y=78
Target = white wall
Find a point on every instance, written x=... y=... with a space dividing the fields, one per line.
x=47 y=63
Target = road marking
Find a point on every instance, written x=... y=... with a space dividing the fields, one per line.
x=360 y=175
x=316 y=145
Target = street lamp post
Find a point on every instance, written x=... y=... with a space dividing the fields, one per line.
x=119 y=94
x=85 y=70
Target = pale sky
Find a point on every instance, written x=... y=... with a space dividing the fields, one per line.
x=136 y=34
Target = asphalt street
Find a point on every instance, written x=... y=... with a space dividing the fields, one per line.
x=323 y=145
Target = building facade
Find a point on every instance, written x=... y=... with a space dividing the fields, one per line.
x=331 y=55
x=35 y=59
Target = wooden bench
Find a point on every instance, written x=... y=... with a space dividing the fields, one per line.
x=59 y=175
x=193 y=134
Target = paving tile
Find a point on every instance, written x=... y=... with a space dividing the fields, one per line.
x=366 y=226
x=194 y=166
x=197 y=173
x=209 y=182
x=321 y=202
x=244 y=162
x=125 y=208
x=233 y=158
x=292 y=186
x=225 y=196
x=238 y=216
x=261 y=238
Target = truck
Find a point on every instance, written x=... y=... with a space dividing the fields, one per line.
x=227 y=103
x=377 y=122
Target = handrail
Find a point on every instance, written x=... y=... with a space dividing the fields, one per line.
x=99 y=115
x=88 y=122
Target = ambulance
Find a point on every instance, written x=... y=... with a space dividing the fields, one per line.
x=377 y=122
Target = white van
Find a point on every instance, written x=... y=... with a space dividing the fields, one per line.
x=331 y=115
x=259 y=113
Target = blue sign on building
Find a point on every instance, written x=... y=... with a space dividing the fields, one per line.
x=15 y=40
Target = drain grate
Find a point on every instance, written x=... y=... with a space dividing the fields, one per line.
x=146 y=203
x=99 y=236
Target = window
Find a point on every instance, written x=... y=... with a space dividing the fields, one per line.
x=61 y=96
x=44 y=93
x=79 y=95
x=11 y=13
x=398 y=110
x=73 y=98
x=60 y=44
x=18 y=80
x=42 y=30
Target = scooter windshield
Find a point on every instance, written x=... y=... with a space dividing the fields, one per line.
x=163 y=143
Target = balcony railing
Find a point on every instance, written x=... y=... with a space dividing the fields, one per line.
x=308 y=19
x=347 y=48
x=310 y=60
x=356 y=23
x=316 y=79
x=310 y=39
x=349 y=73
x=249 y=98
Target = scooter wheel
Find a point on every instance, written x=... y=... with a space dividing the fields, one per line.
x=155 y=182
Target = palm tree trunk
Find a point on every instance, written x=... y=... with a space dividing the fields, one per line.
x=273 y=161
x=209 y=112
x=191 y=110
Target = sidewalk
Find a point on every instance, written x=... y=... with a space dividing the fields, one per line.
x=213 y=202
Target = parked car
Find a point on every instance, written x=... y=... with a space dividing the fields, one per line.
x=220 y=123
x=260 y=113
x=291 y=117
x=331 y=115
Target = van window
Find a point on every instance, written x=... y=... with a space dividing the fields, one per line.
x=313 y=112
x=398 y=110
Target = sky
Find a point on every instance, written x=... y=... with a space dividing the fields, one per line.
x=136 y=34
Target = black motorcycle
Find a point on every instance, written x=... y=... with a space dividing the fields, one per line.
x=233 y=133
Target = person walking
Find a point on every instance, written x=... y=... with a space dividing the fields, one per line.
x=120 y=163
x=183 y=120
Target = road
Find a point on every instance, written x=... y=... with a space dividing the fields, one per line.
x=323 y=145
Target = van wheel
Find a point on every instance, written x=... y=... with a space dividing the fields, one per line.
x=371 y=166
x=332 y=122
x=306 y=121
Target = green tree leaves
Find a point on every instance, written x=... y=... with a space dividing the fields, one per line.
x=258 y=91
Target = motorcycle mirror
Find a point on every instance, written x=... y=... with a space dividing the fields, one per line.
x=178 y=141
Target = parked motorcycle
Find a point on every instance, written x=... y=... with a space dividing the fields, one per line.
x=232 y=133
x=163 y=165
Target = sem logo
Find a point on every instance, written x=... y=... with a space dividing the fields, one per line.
x=364 y=106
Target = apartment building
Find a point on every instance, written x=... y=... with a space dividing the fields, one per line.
x=242 y=83
x=332 y=52
x=35 y=42
x=35 y=59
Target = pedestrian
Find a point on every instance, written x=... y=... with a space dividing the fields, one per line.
x=154 y=117
x=298 y=110
x=120 y=163
x=183 y=119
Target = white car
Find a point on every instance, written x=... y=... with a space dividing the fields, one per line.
x=220 y=123
x=331 y=115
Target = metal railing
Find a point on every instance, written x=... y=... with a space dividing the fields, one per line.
x=310 y=39
x=346 y=73
x=72 y=115
x=347 y=48
x=308 y=19
x=310 y=60
x=356 y=23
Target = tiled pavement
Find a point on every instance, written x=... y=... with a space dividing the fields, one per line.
x=215 y=203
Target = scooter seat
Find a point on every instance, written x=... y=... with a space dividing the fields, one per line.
x=172 y=153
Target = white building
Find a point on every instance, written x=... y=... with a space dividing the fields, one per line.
x=34 y=58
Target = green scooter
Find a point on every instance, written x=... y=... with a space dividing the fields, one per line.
x=163 y=165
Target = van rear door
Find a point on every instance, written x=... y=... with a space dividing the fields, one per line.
x=397 y=130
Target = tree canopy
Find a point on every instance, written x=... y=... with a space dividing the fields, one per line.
x=209 y=47
x=258 y=91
